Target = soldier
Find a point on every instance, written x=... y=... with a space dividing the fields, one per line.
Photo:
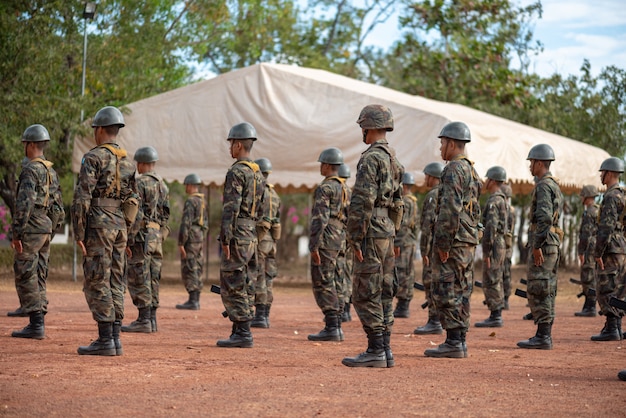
x=105 y=205
x=508 y=241
x=432 y=172
x=374 y=217
x=145 y=240
x=38 y=212
x=268 y=233
x=327 y=238
x=610 y=249
x=455 y=240
x=345 y=260
x=495 y=216
x=405 y=244
x=191 y=237
x=243 y=208
x=586 y=244
x=544 y=239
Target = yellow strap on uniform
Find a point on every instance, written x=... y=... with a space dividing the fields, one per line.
x=201 y=196
x=410 y=196
x=344 y=193
x=255 y=169
x=119 y=153
x=46 y=164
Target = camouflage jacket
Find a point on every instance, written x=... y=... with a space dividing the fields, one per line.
x=610 y=235
x=427 y=221
x=154 y=205
x=243 y=201
x=271 y=208
x=98 y=179
x=407 y=234
x=378 y=185
x=458 y=210
x=588 y=230
x=495 y=216
x=38 y=195
x=545 y=211
x=194 y=221
x=328 y=215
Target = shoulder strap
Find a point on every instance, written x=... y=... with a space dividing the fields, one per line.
x=201 y=196
x=413 y=198
x=119 y=153
x=46 y=164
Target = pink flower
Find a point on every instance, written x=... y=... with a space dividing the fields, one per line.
x=295 y=219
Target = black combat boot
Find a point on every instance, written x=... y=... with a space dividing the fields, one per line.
x=387 y=345
x=241 y=336
x=35 y=328
x=402 y=309
x=494 y=320
x=18 y=312
x=193 y=304
x=332 y=330
x=259 y=320
x=528 y=316
x=345 y=315
x=117 y=326
x=622 y=375
x=542 y=339
x=153 y=319
x=374 y=356
x=433 y=326
x=142 y=324
x=463 y=342
x=267 y=314
x=104 y=345
x=589 y=307
x=451 y=348
x=610 y=332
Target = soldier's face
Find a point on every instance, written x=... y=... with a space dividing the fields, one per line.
x=533 y=167
x=443 y=148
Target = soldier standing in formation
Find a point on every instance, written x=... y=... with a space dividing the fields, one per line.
x=345 y=260
x=105 y=205
x=268 y=230
x=327 y=239
x=508 y=241
x=243 y=208
x=432 y=172
x=375 y=215
x=455 y=240
x=405 y=245
x=544 y=238
x=145 y=242
x=38 y=212
x=191 y=234
x=495 y=216
x=610 y=250
x=586 y=245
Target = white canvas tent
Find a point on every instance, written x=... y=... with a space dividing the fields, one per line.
x=298 y=112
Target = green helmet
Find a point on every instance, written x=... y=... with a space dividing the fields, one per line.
x=589 y=190
x=541 y=152
x=108 y=116
x=496 y=173
x=265 y=165
x=434 y=169
x=344 y=171
x=376 y=116
x=613 y=164
x=332 y=156
x=35 y=133
x=242 y=130
x=146 y=155
x=457 y=131
x=408 y=179
x=507 y=190
x=192 y=179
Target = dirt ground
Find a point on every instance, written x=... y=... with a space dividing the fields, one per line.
x=180 y=371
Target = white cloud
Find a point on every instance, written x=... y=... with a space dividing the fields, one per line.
x=584 y=13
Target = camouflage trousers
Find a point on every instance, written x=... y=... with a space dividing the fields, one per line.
x=588 y=273
x=611 y=282
x=237 y=276
x=144 y=271
x=452 y=286
x=405 y=271
x=427 y=281
x=542 y=283
x=191 y=267
x=104 y=271
x=31 y=272
x=327 y=284
x=493 y=288
x=263 y=289
x=506 y=273
x=345 y=266
x=374 y=286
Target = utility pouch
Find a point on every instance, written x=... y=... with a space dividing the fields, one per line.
x=276 y=230
x=262 y=227
x=130 y=207
x=395 y=214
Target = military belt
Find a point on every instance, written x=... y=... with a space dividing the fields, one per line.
x=380 y=212
x=106 y=202
x=245 y=222
x=153 y=225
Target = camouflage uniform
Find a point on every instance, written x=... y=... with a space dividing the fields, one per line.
x=99 y=222
x=427 y=225
x=406 y=240
x=267 y=270
x=191 y=236
x=495 y=216
x=508 y=255
x=586 y=245
x=345 y=265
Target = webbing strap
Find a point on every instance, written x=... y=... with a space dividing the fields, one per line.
x=119 y=153
x=46 y=164
x=201 y=196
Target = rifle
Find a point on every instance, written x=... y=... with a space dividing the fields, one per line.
x=478 y=284
x=419 y=286
x=216 y=289
x=617 y=303
x=592 y=292
x=521 y=293
x=425 y=305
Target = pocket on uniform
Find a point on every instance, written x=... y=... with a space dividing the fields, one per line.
x=538 y=288
x=606 y=281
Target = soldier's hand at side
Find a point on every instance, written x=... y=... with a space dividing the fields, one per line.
x=426 y=261
x=443 y=255
x=581 y=259
x=538 y=256
x=487 y=262
x=82 y=247
x=226 y=252
x=600 y=263
x=16 y=244
x=183 y=253
x=129 y=252
x=396 y=251
x=359 y=255
x=315 y=257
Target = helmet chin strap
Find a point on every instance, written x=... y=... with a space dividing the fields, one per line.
x=365 y=131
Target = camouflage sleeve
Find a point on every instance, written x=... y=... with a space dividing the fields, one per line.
x=136 y=226
x=607 y=223
x=164 y=204
x=427 y=222
x=362 y=201
x=233 y=188
x=87 y=179
x=276 y=206
x=544 y=211
x=587 y=227
x=186 y=222
x=450 y=204
x=320 y=214
x=57 y=200
x=490 y=223
x=24 y=202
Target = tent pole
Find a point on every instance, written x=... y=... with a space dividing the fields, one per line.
x=73 y=235
x=208 y=235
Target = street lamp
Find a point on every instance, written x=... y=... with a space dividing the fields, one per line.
x=88 y=13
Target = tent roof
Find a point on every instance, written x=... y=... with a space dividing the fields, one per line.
x=298 y=112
